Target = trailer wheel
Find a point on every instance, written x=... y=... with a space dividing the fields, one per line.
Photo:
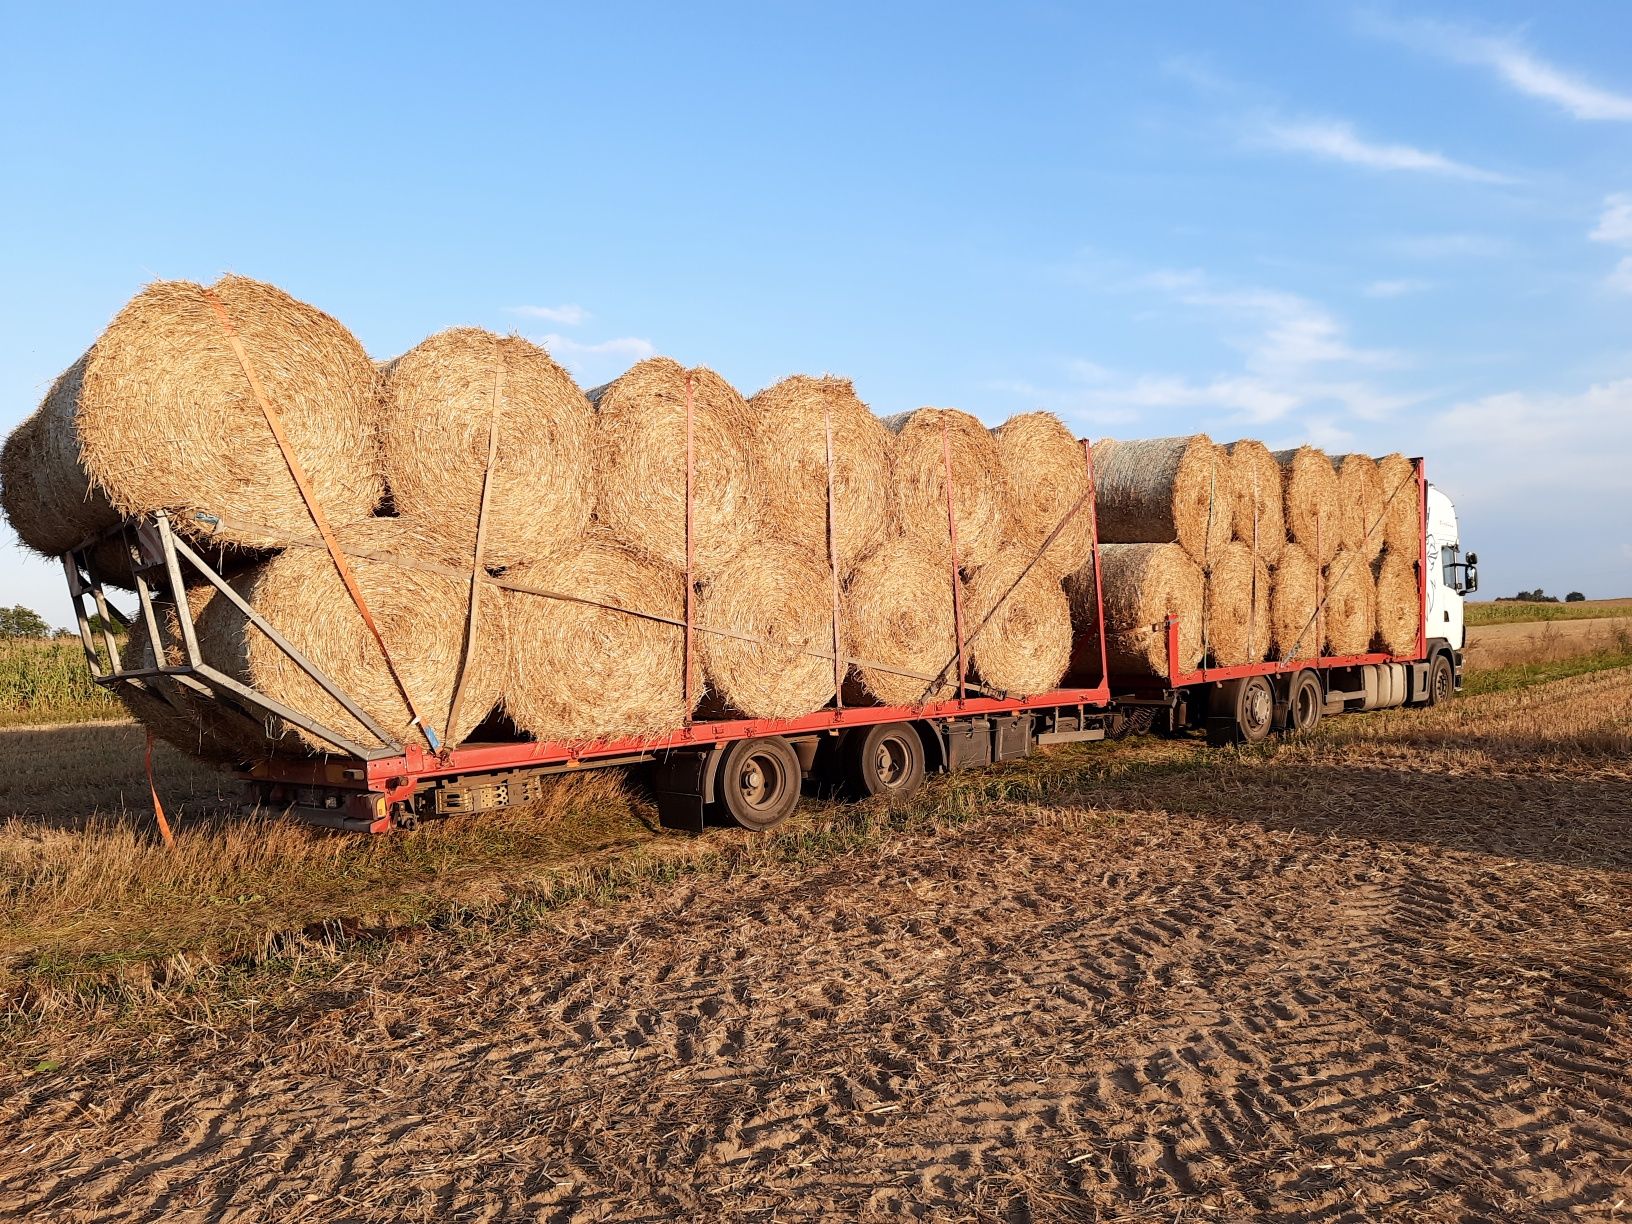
x=1440 y=680
x=1241 y=711
x=887 y=759
x=1304 y=704
x=758 y=782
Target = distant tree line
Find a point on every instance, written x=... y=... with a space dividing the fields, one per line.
x=1540 y=596
x=20 y=622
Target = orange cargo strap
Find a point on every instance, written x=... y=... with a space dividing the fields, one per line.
x=275 y=424
x=478 y=570
x=153 y=790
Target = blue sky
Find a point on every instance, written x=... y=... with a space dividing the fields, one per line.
x=1371 y=227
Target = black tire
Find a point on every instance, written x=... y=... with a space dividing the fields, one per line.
x=1441 y=680
x=887 y=759
x=1241 y=711
x=757 y=783
x=1305 y=702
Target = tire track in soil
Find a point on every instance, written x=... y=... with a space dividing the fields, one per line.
x=1040 y=1017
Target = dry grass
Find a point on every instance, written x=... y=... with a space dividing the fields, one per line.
x=1507 y=645
x=1509 y=611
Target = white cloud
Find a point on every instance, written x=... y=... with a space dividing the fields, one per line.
x=603 y=358
x=1616 y=223
x=1395 y=288
x=1620 y=279
x=567 y=316
x=1520 y=68
x=1337 y=140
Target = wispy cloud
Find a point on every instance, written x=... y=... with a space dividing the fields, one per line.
x=1337 y=140
x=1448 y=246
x=1396 y=288
x=567 y=316
x=631 y=348
x=1520 y=68
x=1615 y=227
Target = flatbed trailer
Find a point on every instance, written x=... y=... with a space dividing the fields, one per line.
x=749 y=771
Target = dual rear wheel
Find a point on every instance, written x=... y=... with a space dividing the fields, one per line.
x=758 y=781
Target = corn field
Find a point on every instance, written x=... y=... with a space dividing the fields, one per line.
x=46 y=680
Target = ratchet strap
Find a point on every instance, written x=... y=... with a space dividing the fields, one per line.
x=153 y=790
x=275 y=424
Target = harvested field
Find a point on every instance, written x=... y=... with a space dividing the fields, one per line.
x=1381 y=973
x=1502 y=645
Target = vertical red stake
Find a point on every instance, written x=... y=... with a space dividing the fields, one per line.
x=1099 y=588
x=1422 y=557
x=686 y=654
x=952 y=535
x=833 y=568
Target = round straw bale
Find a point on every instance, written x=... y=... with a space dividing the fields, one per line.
x=640 y=462
x=421 y=613
x=1260 y=512
x=1237 y=615
x=48 y=498
x=793 y=417
x=1143 y=585
x=1310 y=486
x=1048 y=476
x=580 y=672
x=1402 y=505
x=166 y=418
x=1159 y=490
x=1397 y=603
x=1297 y=628
x=898 y=614
x=1018 y=623
x=437 y=405
x=1351 y=604
x=1360 y=504
x=781 y=597
x=982 y=503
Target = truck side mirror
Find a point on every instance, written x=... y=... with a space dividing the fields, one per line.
x=1471 y=582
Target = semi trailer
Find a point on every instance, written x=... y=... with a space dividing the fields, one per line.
x=752 y=772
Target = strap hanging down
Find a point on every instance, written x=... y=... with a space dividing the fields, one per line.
x=275 y=424
x=153 y=791
x=478 y=569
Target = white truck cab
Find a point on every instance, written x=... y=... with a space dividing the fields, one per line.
x=1450 y=574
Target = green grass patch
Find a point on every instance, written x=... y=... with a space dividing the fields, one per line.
x=47 y=681
x=1522 y=675
x=1510 y=612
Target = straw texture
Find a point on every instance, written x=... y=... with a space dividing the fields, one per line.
x=1310 y=485
x=1143 y=585
x=1297 y=621
x=1398 y=604
x=420 y=613
x=577 y=672
x=47 y=496
x=1402 y=508
x=792 y=418
x=166 y=419
x=1260 y=511
x=1019 y=624
x=1351 y=604
x=1237 y=614
x=438 y=403
x=982 y=501
x=1161 y=490
x=640 y=462
x=897 y=612
x=780 y=596
x=1047 y=471
x=1360 y=504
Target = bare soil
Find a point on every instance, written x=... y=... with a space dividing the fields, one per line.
x=1384 y=974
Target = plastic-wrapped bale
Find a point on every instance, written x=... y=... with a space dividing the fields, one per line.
x=1237 y=624
x=164 y=417
x=899 y=624
x=1360 y=504
x=1310 y=486
x=418 y=599
x=793 y=418
x=1162 y=490
x=775 y=606
x=1351 y=604
x=580 y=672
x=1260 y=511
x=982 y=503
x=1143 y=585
x=1398 y=603
x=640 y=464
x=1047 y=472
x=1402 y=505
x=1297 y=622
x=1017 y=624
x=439 y=402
